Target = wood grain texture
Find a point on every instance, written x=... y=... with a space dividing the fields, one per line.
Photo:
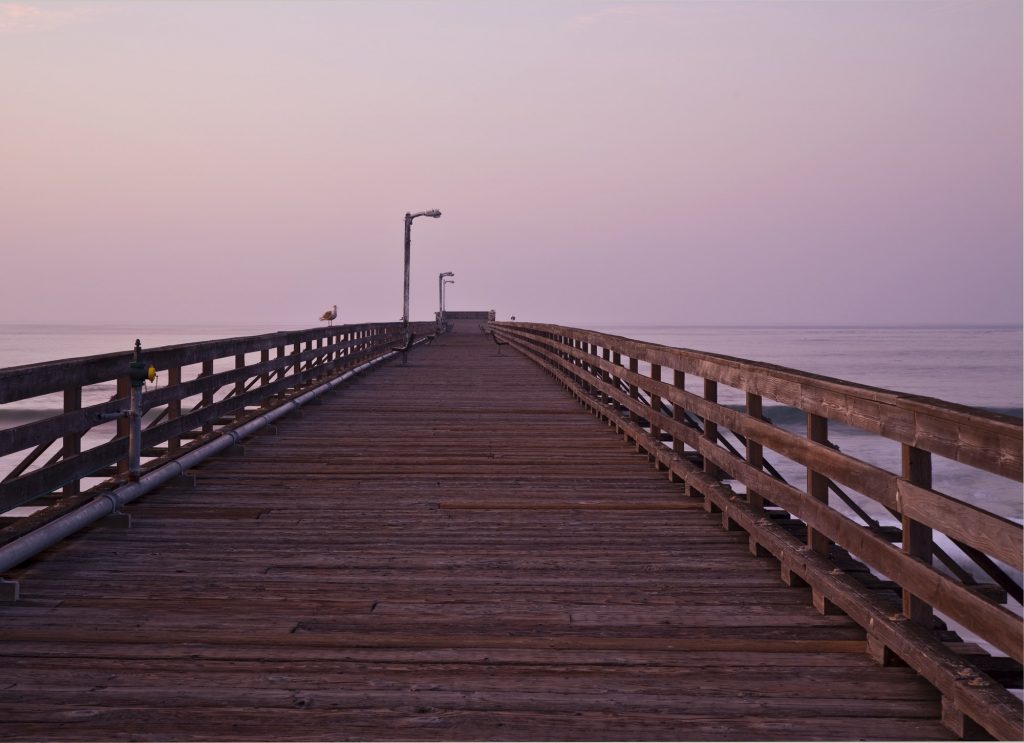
x=347 y=579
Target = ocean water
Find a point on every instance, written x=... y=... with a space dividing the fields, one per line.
x=31 y=343
x=976 y=366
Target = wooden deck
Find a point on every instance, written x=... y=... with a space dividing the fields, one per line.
x=451 y=549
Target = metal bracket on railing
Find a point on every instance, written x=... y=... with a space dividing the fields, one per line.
x=117 y=517
x=113 y=416
x=138 y=374
x=410 y=338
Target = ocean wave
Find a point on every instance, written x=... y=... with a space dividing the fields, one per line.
x=1012 y=412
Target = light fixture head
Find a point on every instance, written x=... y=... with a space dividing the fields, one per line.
x=432 y=213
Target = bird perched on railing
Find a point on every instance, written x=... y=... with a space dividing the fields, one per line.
x=330 y=315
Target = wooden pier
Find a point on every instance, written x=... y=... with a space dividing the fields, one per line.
x=456 y=548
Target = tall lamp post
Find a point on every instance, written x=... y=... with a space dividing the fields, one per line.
x=408 y=238
x=440 y=298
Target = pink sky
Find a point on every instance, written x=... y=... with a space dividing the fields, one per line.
x=673 y=162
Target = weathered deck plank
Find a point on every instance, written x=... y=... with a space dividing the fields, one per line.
x=447 y=550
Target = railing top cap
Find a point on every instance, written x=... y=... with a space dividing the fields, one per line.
x=648 y=351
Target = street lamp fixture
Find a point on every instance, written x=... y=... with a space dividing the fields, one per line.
x=408 y=237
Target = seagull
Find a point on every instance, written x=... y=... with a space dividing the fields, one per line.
x=330 y=315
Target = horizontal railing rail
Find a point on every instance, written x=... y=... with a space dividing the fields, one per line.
x=685 y=433
x=207 y=385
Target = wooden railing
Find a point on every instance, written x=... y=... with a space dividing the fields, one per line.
x=206 y=386
x=641 y=389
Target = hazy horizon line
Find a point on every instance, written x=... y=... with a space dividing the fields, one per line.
x=587 y=324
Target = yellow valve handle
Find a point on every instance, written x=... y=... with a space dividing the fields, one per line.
x=151 y=373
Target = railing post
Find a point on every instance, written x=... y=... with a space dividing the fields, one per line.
x=678 y=412
x=135 y=437
x=174 y=407
x=606 y=376
x=240 y=384
x=124 y=426
x=208 y=394
x=577 y=360
x=72 y=445
x=917 y=538
x=634 y=392
x=616 y=380
x=264 y=377
x=817 y=485
x=655 y=408
x=755 y=452
x=591 y=369
x=755 y=458
x=817 y=488
x=581 y=363
x=710 y=427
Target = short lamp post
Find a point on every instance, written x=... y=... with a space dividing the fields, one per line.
x=444 y=297
x=440 y=298
x=408 y=238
